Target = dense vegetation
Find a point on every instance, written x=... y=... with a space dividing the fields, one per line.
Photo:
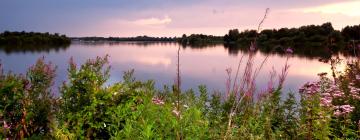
x=199 y=39
x=32 y=38
x=138 y=38
x=131 y=109
x=310 y=39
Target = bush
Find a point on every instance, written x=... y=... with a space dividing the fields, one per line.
x=27 y=104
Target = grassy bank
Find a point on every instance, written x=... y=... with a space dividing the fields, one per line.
x=132 y=109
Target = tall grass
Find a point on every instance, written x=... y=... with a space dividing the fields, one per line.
x=131 y=109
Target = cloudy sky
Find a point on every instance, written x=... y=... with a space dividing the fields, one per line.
x=169 y=17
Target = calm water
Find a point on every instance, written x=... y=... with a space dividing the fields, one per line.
x=157 y=61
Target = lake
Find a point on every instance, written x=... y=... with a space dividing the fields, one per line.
x=157 y=61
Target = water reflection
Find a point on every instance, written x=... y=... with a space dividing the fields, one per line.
x=31 y=48
x=157 y=61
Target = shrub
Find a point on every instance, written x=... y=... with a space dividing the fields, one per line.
x=27 y=104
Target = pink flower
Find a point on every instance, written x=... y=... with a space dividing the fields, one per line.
x=337 y=113
x=157 y=101
x=347 y=108
x=343 y=110
x=325 y=102
x=176 y=112
x=310 y=89
x=5 y=125
x=357 y=77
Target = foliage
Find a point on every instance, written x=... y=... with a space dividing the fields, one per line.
x=32 y=38
x=351 y=32
x=316 y=40
x=27 y=103
x=199 y=39
x=334 y=103
x=89 y=108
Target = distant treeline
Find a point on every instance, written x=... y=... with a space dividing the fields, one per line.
x=32 y=38
x=198 y=39
x=193 y=39
x=304 y=38
x=138 y=38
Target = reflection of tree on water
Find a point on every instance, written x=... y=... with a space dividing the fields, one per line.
x=306 y=52
x=8 y=49
x=234 y=49
x=201 y=46
x=131 y=43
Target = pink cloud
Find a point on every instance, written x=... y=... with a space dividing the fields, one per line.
x=153 y=21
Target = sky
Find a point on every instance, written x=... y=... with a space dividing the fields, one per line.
x=77 y=18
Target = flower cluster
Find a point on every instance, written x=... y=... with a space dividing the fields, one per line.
x=310 y=89
x=354 y=91
x=328 y=91
x=157 y=101
x=343 y=110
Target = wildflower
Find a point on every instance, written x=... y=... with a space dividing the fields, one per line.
x=5 y=125
x=104 y=125
x=357 y=77
x=176 y=112
x=310 y=89
x=115 y=93
x=157 y=101
x=340 y=94
x=347 y=108
x=337 y=113
x=186 y=106
x=326 y=102
x=343 y=110
x=326 y=94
